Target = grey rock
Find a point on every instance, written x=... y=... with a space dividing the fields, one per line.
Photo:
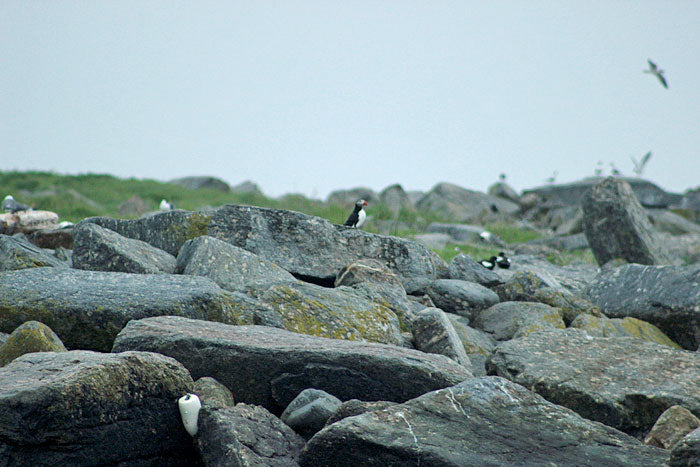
x=18 y=253
x=134 y=206
x=309 y=411
x=248 y=188
x=616 y=226
x=99 y=249
x=232 y=268
x=686 y=453
x=671 y=427
x=460 y=233
x=665 y=296
x=572 y=278
x=87 y=309
x=208 y=183
x=3 y=337
x=508 y=320
x=434 y=241
x=348 y=198
x=356 y=407
x=53 y=238
x=667 y=221
x=603 y=326
x=623 y=382
x=567 y=243
x=464 y=267
x=273 y=365
x=482 y=421
x=477 y=344
x=212 y=393
x=306 y=246
x=31 y=336
x=433 y=333
x=396 y=199
x=461 y=297
x=69 y=408
x=339 y=313
x=505 y=191
x=453 y=202
x=246 y=435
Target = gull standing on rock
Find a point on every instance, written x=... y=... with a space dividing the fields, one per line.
x=10 y=205
x=358 y=215
x=656 y=71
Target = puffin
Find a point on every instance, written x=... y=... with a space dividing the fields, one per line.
x=488 y=263
x=656 y=71
x=502 y=261
x=358 y=215
x=10 y=205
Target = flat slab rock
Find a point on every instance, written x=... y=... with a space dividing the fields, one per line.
x=87 y=309
x=665 y=296
x=269 y=366
x=482 y=421
x=89 y=408
x=303 y=245
x=623 y=382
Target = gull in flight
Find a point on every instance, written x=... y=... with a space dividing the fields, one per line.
x=658 y=72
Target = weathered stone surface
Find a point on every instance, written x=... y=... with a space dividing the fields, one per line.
x=454 y=202
x=477 y=344
x=18 y=253
x=623 y=382
x=53 y=238
x=396 y=199
x=356 y=407
x=232 y=268
x=339 y=313
x=247 y=187
x=88 y=408
x=246 y=435
x=665 y=296
x=567 y=243
x=87 y=309
x=433 y=333
x=686 y=453
x=667 y=221
x=671 y=427
x=27 y=221
x=98 y=249
x=348 y=198
x=503 y=190
x=603 y=326
x=272 y=365
x=212 y=393
x=616 y=226
x=572 y=278
x=483 y=421
x=31 y=336
x=197 y=182
x=461 y=233
x=134 y=206
x=309 y=411
x=508 y=320
x=461 y=297
x=465 y=268
x=304 y=245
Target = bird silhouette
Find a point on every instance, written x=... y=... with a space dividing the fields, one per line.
x=656 y=71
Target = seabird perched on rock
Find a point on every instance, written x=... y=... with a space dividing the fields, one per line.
x=656 y=71
x=488 y=263
x=10 y=205
x=166 y=206
x=502 y=261
x=358 y=215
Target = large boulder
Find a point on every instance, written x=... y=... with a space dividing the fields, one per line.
x=461 y=297
x=572 y=278
x=621 y=327
x=27 y=221
x=247 y=188
x=623 y=382
x=482 y=421
x=396 y=199
x=18 y=253
x=335 y=313
x=272 y=365
x=465 y=268
x=31 y=336
x=306 y=246
x=246 y=435
x=454 y=202
x=347 y=198
x=309 y=411
x=666 y=296
x=88 y=408
x=87 y=309
x=477 y=344
x=686 y=453
x=671 y=427
x=508 y=320
x=98 y=249
x=433 y=333
x=197 y=182
x=232 y=268
x=616 y=226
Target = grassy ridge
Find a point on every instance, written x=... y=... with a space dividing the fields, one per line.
x=74 y=197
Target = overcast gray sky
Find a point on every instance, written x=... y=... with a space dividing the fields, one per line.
x=312 y=96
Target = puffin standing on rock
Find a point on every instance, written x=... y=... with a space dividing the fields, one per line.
x=358 y=215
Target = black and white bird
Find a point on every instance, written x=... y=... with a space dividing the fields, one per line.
x=358 y=215
x=658 y=72
x=10 y=205
x=165 y=205
x=502 y=261
x=488 y=263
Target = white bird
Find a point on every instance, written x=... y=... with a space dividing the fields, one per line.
x=656 y=71
x=10 y=205
x=165 y=206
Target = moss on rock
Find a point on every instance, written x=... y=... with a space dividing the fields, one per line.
x=31 y=336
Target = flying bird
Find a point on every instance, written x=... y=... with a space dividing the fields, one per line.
x=639 y=166
x=358 y=215
x=656 y=71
